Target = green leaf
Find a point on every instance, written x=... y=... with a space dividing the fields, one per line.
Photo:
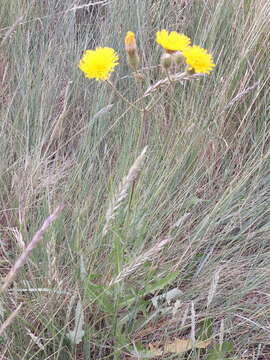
x=92 y=277
x=226 y=347
x=160 y=284
x=213 y=355
x=100 y=295
x=76 y=335
x=219 y=351
x=206 y=331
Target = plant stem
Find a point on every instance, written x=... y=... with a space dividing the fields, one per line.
x=169 y=77
x=150 y=107
x=123 y=97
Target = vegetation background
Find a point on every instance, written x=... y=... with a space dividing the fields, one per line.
x=193 y=226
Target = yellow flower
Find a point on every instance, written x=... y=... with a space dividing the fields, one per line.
x=198 y=59
x=173 y=41
x=98 y=64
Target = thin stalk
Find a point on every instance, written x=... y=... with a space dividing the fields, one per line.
x=123 y=97
x=169 y=77
x=151 y=106
x=28 y=250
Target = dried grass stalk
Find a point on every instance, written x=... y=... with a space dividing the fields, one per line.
x=11 y=30
x=213 y=287
x=9 y=320
x=36 y=340
x=30 y=247
x=52 y=263
x=241 y=94
x=193 y=324
x=173 y=78
x=140 y=260
x=122 y=193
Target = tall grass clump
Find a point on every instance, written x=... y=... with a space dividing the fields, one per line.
x=162 y=246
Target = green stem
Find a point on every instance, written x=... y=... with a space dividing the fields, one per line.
x=169 y=77
x=150 y=107
x=123 y=97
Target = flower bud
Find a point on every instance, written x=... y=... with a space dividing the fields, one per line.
x=131 y=50
x=179 y=58
x=166 y=61
x=190 y=70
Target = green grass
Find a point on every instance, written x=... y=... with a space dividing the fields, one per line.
x=204 y=183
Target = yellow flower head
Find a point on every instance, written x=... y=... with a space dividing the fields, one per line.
x=173 y=41
x=198 y=59
x=98 y=64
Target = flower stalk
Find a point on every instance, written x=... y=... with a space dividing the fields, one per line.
x=123 y=97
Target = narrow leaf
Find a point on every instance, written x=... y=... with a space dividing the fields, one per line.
x=76 y=335
x=160 y=284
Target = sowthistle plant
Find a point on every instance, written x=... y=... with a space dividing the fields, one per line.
x=180 y=61
x=177 y=54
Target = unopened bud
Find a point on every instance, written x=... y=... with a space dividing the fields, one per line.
x=166 y=61
x=130 y=42
x=179 y=58
x=190 y=71
x=131 y=50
